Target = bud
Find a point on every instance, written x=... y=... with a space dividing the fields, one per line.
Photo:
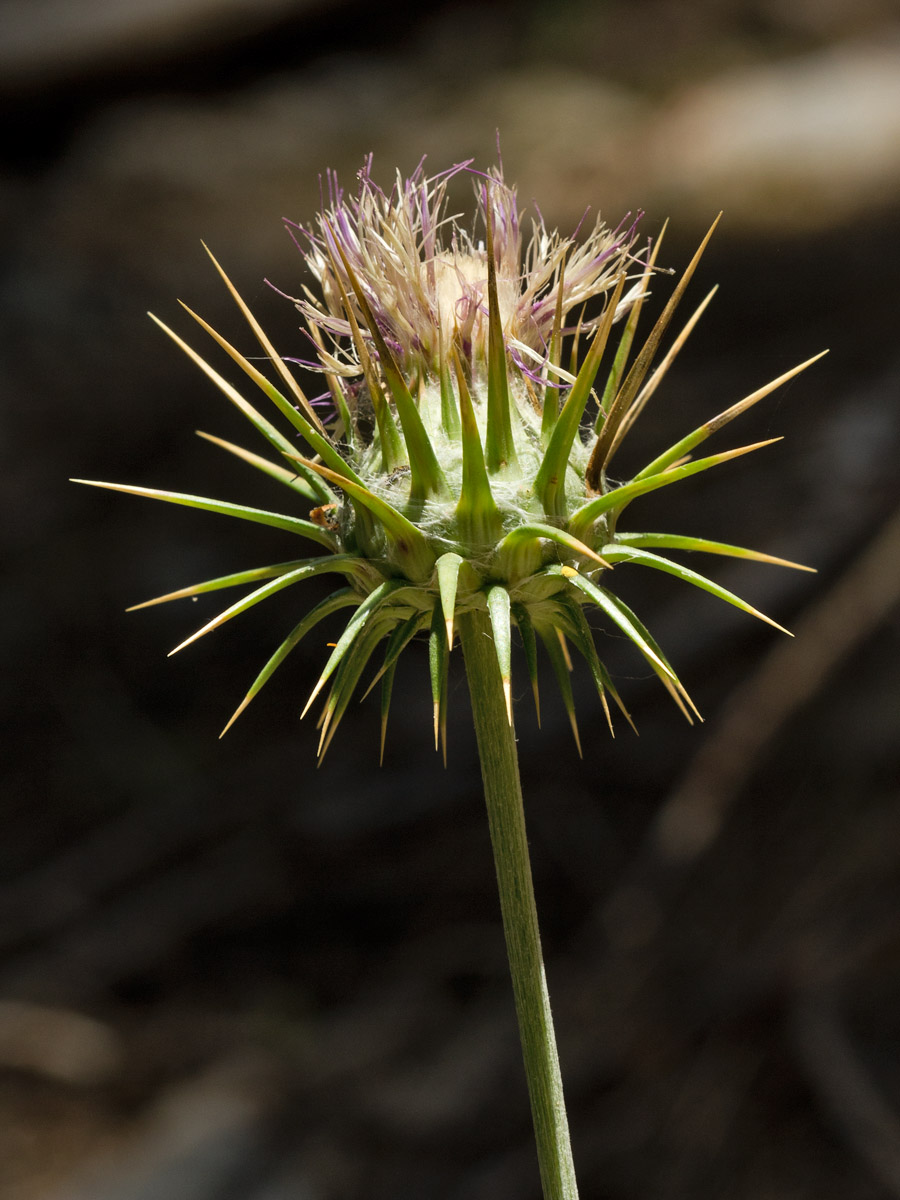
x=462 y=460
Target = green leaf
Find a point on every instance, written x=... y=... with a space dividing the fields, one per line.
x=307 y=529
x=702 y=432
x=319 y=566
x=499 y=444
x=294 y=479
x=669 y=541
x=549 y=483
x=427 y=478
x=253 y=575
x=320 y=443
x=583 y=518
x=665 y=671
x=444 y=709
x=551 y=639
x=334 y=387
x=438 y=658
x=613 y=608
x=372 y=603
x=526 y=633
x=499 y=611
x=337 y=600
x=621 y=357
x=550 y=411
x=479 y=518
x=388 y=434
x=409 y=544
x=400 y=638
x=525 y=536
x=280 y=366
x=580 y=634
x=447 y=571
x=659 y=373
x=624 y=349
x=347 y=677
x=387 y=687
x=644 y=558
x=602 y=451
x=449 y=407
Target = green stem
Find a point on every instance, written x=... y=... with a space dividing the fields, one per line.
x=506 y=818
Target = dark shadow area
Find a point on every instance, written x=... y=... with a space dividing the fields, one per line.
x=227 y=975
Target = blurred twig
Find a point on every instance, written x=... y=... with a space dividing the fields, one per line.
x=134 y=932
x=842 y=1083
x=791 y=674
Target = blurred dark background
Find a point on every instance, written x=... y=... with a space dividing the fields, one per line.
x=225 y=975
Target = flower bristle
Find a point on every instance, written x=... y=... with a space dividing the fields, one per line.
x=463 y=466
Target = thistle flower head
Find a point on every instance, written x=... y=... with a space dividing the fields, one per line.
x=475 y=412
x=425 y=277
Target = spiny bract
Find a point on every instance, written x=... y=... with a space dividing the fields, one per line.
x=455 y=464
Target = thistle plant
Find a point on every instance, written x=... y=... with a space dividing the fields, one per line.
x=459 y=468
